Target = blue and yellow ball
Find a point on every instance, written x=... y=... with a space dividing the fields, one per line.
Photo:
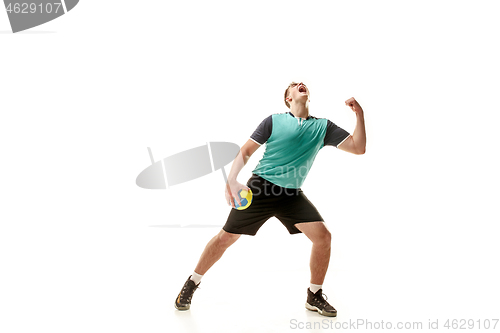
x=245 y=199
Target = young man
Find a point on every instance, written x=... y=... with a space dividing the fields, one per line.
x=292 y=141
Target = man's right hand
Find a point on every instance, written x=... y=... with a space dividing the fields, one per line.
x=232 y=186
x=232 y=190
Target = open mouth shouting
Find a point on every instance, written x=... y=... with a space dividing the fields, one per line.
x=302 y=89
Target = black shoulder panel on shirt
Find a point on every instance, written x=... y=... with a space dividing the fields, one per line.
x=263 y=131
x=334 y=134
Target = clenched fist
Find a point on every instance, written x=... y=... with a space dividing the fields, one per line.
x=354 y=105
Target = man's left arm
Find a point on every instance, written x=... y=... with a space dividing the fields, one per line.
x=356 y=143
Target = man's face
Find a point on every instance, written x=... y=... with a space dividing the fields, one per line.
x=298 y=91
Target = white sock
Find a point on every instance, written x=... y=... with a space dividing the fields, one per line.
x=315 y=287
x=196 y=278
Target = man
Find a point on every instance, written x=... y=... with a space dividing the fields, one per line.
x=292 y=141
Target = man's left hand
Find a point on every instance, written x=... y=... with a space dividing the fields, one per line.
x=354 y=105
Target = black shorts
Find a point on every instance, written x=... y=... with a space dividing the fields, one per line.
x=290 y=206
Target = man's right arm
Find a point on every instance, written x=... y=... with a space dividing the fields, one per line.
x=232 y=186
x=243 y=156
x=258 y=138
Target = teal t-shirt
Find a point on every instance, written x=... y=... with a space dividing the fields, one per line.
x=292 y=145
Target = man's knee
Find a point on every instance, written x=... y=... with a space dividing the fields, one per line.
x=324 y=237
x=225 y=239
x=327 y=237
x=317 y=232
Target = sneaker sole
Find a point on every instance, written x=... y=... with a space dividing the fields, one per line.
x=181 y=308
x=321 y=312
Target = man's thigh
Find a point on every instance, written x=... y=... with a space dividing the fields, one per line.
x=315 y=231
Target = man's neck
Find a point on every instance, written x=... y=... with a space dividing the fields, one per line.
x=299 y=110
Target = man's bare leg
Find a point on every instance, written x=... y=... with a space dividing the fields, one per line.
x=320 y=237
x=318 y=233
x=214 y=250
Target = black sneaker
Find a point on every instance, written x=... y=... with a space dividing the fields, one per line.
x=183 y=301
x=316 y=302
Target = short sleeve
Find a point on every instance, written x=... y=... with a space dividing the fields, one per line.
x=334 y=134
x=263 y=131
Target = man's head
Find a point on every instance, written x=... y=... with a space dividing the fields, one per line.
x=296 y=91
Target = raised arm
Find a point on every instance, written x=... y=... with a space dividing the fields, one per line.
x=233 y=186
x=356 y=143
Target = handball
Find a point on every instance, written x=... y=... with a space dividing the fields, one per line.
x=245 y=199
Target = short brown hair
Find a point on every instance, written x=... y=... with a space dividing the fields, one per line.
x=286 y=93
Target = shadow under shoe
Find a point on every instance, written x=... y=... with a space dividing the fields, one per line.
x=183 y=301
x=316 y=302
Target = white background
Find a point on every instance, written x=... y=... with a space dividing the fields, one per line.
x=414 y=220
